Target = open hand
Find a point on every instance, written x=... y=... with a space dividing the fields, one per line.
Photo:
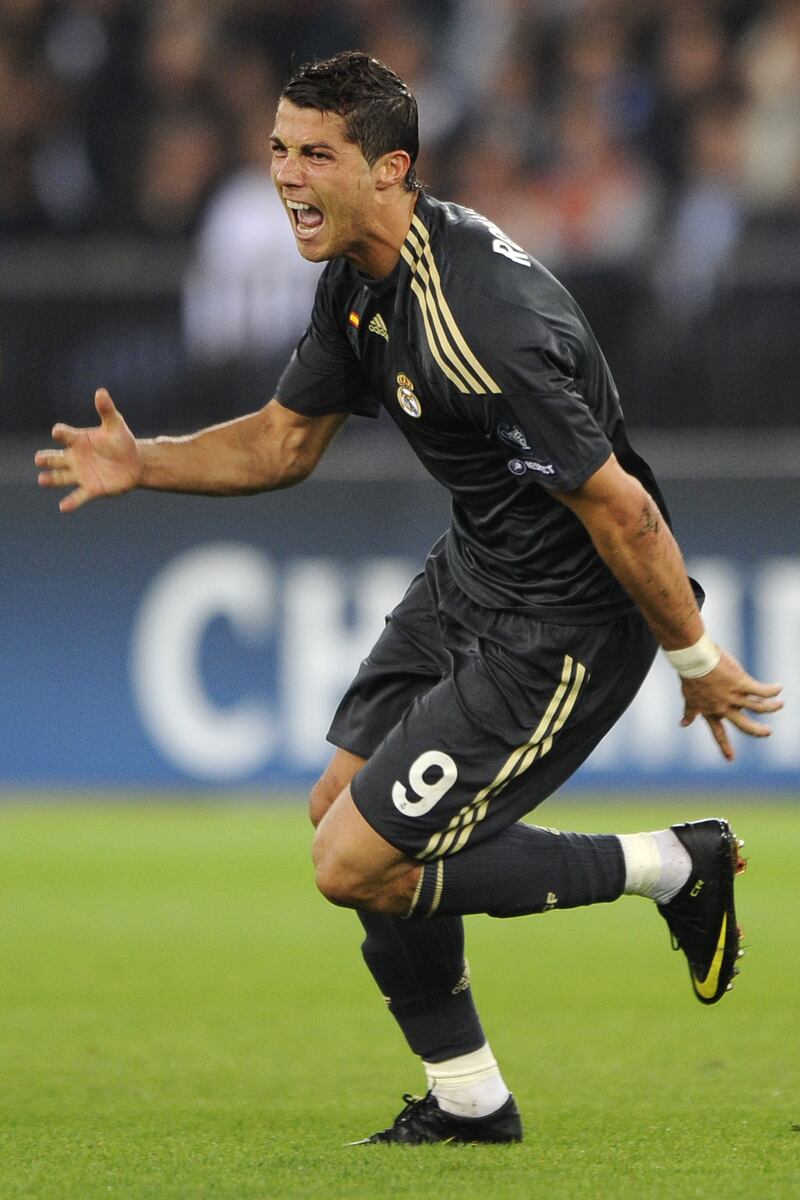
x=103 y=461
x=728 y=693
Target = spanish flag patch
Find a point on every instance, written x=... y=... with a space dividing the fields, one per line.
x=354 y=319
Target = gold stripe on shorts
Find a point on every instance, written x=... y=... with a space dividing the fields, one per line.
x=562 y=702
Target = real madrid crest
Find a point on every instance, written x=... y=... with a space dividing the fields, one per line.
x=405 y=395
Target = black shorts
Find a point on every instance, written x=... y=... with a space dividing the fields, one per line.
x=470 y=717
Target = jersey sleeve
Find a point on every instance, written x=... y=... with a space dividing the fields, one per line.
x=323 y=375
x=552 y=437
x=528 y=347
x=557 y=434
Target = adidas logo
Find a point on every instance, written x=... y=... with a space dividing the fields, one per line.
x=378 y=325
x=464 y=981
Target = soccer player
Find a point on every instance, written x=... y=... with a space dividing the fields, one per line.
x=534 y=621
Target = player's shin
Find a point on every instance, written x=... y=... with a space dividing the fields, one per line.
x=424 y=979
x=523 y=869
x=422 y=973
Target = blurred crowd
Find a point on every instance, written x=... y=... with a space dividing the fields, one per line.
x=654 y=137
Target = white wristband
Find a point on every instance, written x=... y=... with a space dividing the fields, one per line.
x=694 y=661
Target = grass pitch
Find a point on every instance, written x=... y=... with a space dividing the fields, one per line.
x=181 y=1016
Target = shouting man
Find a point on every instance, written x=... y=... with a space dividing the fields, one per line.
x=534 y=621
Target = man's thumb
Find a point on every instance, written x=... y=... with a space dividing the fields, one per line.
x=105 y=406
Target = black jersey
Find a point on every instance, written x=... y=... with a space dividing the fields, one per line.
x=489 y=368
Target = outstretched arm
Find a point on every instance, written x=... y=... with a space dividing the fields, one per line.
x=268 y=449
x=635 y=542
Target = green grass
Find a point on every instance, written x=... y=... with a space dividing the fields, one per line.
x=181 y=1016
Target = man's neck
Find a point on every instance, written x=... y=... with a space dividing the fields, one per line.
x=381 y=254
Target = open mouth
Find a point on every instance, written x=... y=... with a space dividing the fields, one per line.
x=307 y=219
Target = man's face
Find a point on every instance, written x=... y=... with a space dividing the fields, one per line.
x=325 y=183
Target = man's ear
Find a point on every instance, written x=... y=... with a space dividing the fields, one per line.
x=392 y=169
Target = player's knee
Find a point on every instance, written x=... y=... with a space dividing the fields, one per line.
x=337 y=880
x=342 y=881
x=341 y=876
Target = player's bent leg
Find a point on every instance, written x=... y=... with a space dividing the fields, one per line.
x=419 y=967
x=423 y=976
x=356 y=867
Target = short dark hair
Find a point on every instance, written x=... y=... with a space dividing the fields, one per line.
x=379 y=111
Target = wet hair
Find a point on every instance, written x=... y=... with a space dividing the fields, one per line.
x=379 y=111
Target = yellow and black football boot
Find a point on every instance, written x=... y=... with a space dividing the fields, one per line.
x=702 y=916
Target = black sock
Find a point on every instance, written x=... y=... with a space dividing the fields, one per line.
x=421 y=971
x=523 y=870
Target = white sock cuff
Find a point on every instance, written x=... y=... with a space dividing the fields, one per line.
x=657 y=864
x=468 y=1086
x=642 y=862
x=471 y=1066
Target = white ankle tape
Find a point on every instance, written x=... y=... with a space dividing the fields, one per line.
x=466 y=1067
x=468 y=1086
x=642 y=862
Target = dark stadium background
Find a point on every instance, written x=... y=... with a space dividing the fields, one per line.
x=649 y=154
